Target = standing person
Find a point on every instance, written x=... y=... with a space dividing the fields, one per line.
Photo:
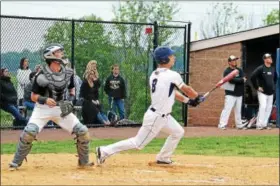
x=116 y=90
x=233 y=97
x=163 y=84
x=77 y=82
x=48 y=91
x=22 y=78
x=264 y=79
x=28 y=103
x=91 y=107
x=8 y=101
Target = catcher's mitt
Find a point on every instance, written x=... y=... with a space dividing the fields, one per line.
x=66 y=108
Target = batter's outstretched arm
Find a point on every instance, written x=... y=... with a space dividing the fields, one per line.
x=189 y=91
x=180 y=97
x=192 y=102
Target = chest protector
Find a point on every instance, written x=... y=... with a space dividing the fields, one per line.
x=55 y=82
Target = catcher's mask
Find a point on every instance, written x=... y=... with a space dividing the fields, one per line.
x=49 y=55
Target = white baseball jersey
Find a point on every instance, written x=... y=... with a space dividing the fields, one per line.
x=162 y=84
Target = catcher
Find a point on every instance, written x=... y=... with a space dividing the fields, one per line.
x=50 y=85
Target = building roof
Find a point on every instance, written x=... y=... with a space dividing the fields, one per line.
x=235 y=37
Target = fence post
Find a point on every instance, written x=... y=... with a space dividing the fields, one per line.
x=187 y=43
x=184 y=106
x=73 y=44
x=278 y=88
x=155 y=42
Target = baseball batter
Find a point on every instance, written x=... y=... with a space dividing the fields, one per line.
x=163 y=84
x=49 y=87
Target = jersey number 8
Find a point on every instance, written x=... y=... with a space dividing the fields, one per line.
x=154 y=85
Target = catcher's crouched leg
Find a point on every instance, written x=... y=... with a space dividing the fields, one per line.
x=82 y=136
x=27 y=136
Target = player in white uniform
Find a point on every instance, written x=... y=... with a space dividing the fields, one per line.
x=157 y=118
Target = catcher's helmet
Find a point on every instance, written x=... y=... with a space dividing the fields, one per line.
x=48 y=53
x=161 y=54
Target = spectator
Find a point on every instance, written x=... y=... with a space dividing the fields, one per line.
x=8 y=100
x=91 y=107
x=28 y=103
x=37 y=68
x=264 y=79
x=22 y=78
x=116 y=90
x=233 y=97
x=91 y=67
x=77 y=82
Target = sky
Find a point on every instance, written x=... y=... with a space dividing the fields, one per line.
x=194 y=11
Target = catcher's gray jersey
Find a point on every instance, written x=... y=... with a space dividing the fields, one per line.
x=53 y=84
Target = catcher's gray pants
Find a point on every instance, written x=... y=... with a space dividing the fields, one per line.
x=43 y=113
x=153 y=124
x=40 y=116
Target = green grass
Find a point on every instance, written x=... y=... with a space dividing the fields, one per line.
x=254 y=146
x=6 y=119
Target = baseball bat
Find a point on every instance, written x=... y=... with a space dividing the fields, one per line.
x=222 y=81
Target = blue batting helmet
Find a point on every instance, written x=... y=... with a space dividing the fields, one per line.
x=161 y=54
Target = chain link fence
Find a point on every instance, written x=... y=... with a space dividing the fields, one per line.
x=175 y=37
x=128 y=44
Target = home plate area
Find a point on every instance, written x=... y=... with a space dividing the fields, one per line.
x=140 y=169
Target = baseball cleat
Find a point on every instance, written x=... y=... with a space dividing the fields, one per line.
x=222 y=128
x=165 y=162
x=99 y=160
x=13 y=166
x=268 y=127
x=86 y=165
x=242 y=128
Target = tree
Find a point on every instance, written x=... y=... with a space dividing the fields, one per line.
x=142 y=12
x=91 y=42
x=135 y=47
x=272 y=18
x=223 y=19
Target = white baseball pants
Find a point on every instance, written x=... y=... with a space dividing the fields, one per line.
x=265 y=107
x=43 y=113
x=153 y=123
x=230 y=102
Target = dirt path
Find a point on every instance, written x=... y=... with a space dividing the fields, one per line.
x=134 y=169
x=8 y=136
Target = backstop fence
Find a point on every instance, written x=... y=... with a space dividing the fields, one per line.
x=128 y=44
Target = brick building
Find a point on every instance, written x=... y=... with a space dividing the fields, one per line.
x=208 y=60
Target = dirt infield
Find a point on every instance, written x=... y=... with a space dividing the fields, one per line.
x=134 y=169
x=8 y=136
